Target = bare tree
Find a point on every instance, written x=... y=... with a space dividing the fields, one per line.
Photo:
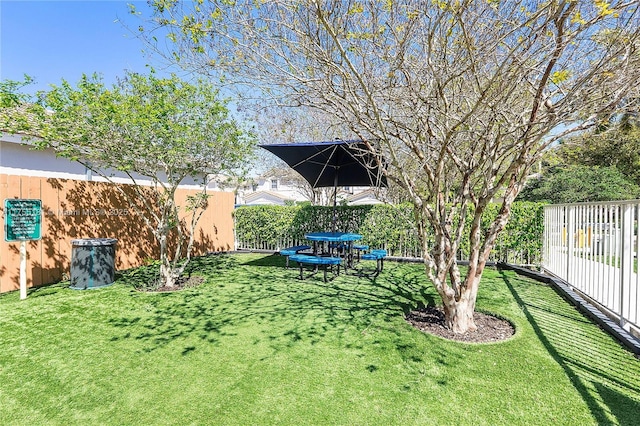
x=461 y=97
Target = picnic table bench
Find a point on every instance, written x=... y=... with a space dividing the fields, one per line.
x=378 y=255
x=327 y=261
x=289 y=251
x=360 y=248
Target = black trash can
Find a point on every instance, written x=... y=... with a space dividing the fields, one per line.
x=92 y=262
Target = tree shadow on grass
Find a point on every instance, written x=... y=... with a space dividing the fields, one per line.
x=271 y=260
x=589 y=357
x=401 y=286
x=271 y=299
x=146 y=277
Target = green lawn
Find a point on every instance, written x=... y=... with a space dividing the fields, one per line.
x=254 y=345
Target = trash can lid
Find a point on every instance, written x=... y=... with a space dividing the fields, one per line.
x=94 y=242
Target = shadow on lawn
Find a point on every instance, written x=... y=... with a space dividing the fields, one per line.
x=403 y=287
x=271 y=298
x=583 y=355
x=146 y=277
x=272 y=260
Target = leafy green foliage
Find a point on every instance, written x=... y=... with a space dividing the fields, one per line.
x=17 y=109
x=578 y=183
x=161 y=129
x=10 y=95
x=391 y=227
x=144 y=124
x=522 y=237
x=618 y=147
x=600 y=165
x=264 y=224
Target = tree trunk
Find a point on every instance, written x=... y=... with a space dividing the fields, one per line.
x=458 y=315
x=458 y=295
x=458 y=299
x=167 y=278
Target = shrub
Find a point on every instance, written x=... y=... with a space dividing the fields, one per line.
x=383 y=226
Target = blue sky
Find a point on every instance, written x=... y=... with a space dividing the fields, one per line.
x=52 y=40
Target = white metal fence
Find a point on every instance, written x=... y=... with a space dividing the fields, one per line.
x=594 y=247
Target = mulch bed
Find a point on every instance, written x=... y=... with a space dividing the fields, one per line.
x=430 y=319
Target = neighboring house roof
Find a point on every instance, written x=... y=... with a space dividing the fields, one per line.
x=20 y=118
x=19 y=158
x=266 y=197
x=365 y=197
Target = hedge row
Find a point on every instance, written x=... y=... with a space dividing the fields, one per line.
x=391 y=227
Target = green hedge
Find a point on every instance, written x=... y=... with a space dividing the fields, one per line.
x=391 y=227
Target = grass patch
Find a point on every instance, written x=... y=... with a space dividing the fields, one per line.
x=255 y=345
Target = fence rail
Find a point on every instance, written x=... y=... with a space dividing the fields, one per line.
x=406 y=251
x=594 y=247
x=257 y=244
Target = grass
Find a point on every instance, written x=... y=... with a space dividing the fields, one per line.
x=254 y=345
x=614 y=261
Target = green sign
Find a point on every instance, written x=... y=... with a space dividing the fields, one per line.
x=22 y=219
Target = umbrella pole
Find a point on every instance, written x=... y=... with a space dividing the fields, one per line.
x=335 y=196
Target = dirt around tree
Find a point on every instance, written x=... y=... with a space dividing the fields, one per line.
x=430 y=319
x=181 y=284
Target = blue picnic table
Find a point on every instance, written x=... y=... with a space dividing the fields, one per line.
x=339 y=249
x=336 y=242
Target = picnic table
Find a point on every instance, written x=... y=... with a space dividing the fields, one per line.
x=336 y=243
x=339 y=248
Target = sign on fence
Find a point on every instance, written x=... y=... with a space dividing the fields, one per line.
x=22 y=219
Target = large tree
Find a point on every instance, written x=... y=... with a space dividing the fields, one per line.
x=162 y=130
x=460 y=97
x=616 y=146
x=579 y=183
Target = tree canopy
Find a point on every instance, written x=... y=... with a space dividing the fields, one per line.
x=160 y=129
x=617 y=147
x=579 y=183
x=460 y=97
x=602 y=164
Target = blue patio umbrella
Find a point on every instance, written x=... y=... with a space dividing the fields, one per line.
x=332 y=164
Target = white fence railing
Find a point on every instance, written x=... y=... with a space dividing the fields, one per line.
x=594 y=247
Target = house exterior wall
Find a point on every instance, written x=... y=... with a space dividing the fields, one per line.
x=18 y=158
x=263 y=192
x=75 y=209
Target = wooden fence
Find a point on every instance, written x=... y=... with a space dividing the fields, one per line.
x=80 y=209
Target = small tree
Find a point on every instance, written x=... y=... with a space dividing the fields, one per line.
x=160 y=129
x=461 y=97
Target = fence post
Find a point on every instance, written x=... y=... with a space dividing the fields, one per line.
x=570 y=221
x=626 y=255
